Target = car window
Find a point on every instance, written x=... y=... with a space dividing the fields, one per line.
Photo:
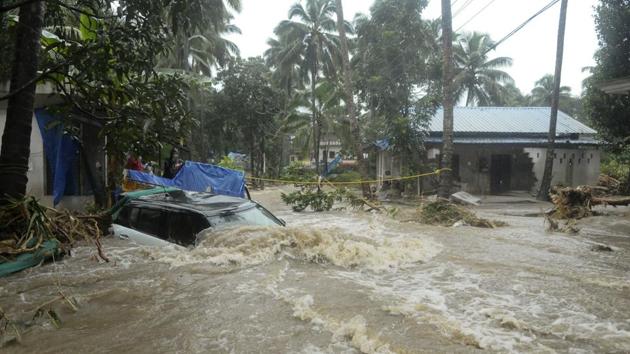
x=150 y=221
x=123 y=216
x=256 y=216
x=184 y=227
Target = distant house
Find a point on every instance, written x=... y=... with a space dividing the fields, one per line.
x=498 y=149
x=619 y=86
x=329 y=147
x=87 y=170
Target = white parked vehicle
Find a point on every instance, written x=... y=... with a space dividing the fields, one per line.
x=178 y=217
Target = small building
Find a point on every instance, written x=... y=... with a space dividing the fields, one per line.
x=87 y=172
x=500 y=149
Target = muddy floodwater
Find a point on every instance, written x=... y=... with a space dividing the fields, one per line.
x=341 y=282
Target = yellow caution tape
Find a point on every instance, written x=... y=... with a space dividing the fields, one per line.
x=434 y=173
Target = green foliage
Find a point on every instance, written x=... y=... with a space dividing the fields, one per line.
x=476 y=76
x=7 y=44
x=397 y=56
x=609 y=113
x=307 y=47
x=444 y=213
x=197 y=43
x=616 y=166
x=316 y=199
x=245 y=113
x=227 y=162
x=296 y=171
x=346 y=176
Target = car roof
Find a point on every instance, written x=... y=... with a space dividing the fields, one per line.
x=201 y=202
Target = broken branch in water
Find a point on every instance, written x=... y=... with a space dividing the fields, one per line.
x=26 y=224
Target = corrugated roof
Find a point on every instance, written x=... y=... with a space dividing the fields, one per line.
x=511 y=141
x=508 y=120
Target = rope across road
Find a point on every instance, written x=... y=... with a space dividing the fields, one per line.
x=284 y=181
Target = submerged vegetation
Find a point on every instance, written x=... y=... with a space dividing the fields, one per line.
x=444 y=213
x=26 y=225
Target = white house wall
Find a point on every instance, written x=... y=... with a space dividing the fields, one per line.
x=36 y=185
x=571 y=167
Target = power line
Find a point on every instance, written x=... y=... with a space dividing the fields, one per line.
x=462 y=8
x=545 y=8
x=475 y=15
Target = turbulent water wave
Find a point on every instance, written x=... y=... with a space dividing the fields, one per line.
x=248 y=246
x=362 y=283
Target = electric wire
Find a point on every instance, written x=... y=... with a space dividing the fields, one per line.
x=462 y=8
x=475 y=15
x=545 y=8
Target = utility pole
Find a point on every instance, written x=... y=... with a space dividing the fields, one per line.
x=545 y=184
x=349 y=98
x=446 y=178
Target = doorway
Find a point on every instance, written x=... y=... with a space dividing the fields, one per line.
x=500 y=173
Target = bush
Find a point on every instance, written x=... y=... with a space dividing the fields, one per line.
x=298 y=172
x=227 y=162
x=615 y=168
x=346 y=176
x=317 y=200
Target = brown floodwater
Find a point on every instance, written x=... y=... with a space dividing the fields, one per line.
x=340 y=282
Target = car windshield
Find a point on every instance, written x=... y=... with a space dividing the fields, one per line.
x=255 y=216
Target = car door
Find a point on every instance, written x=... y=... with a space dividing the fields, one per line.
x=142 y=225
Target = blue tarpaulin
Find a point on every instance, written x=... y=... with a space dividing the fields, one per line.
x=382 y=144
x=61 y=152
x=333 y=164
x=198 y=177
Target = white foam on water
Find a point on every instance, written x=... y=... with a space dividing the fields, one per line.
x=353 y=331
x=481 y=321
x=249 y=246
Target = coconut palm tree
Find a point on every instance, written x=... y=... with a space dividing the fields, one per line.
x=477 y=77
x=286 y=63
x=542 y=93
x=198 y=28
x=312 y=43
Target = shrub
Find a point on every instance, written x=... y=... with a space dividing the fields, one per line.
x=346 y=176
x=316 y=199
x=227 y=162
x=298 y=172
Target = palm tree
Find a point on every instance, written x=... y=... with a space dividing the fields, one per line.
x=198 y=27
x=287 y=63
x=311 y=43
x=542 y=93
x=478 y=78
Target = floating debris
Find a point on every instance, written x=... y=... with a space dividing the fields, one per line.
x=442 y=212
x=578 y=202
x=26 y=227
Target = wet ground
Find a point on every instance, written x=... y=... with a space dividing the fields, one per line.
x=343 y=282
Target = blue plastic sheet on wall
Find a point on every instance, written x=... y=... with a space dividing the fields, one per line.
x=61 y=151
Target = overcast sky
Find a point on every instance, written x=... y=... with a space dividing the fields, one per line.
x=533 y=48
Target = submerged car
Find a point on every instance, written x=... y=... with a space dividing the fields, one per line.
x=175 y=216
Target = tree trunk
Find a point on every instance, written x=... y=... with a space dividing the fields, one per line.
x=16 y=138
x=446 y=179
x=349 y=100
x=545 y=184
x=316 y=125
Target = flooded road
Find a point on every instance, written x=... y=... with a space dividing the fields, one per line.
x=341 y=282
